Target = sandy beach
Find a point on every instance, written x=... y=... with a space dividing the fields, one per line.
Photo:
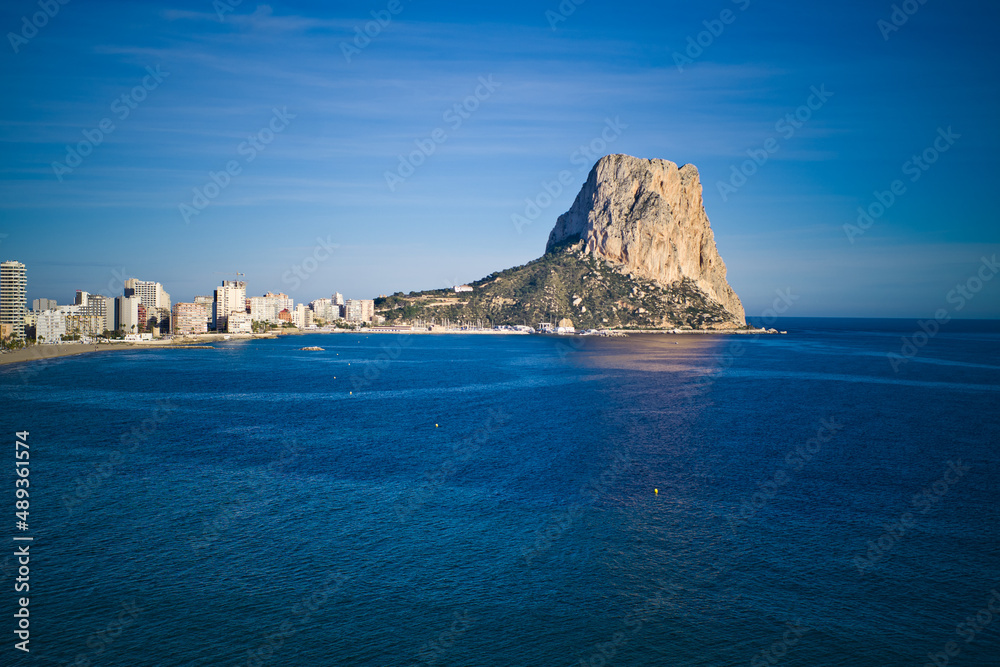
x=37 y=352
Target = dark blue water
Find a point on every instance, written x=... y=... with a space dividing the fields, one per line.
x=486 y=500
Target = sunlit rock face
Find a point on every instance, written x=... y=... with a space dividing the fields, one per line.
x=648 y=216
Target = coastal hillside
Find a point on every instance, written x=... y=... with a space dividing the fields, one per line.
x=564 y=283
x=634 y=251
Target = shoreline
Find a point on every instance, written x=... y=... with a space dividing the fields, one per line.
x=39 y=352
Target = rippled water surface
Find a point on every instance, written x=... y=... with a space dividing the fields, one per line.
x=489 y=500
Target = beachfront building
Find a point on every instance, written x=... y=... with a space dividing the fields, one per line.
x=70 y=321
x=261 y=309
x=267 y=308
x=154 y=298
x=302 y=317
x=229 y=298
x=13 y=299
x=51 y=326
x=189 y=318
x=208 y=304
x=96 y=311
x=79 y=322
x=239 y=322
x=104 y=306
x=338 y=298
x=128 y=316
x=325 y=309
x=360 y=310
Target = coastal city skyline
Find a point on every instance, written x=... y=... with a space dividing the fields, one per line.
x=119 y=277
x=145 y=308
x=194 y=143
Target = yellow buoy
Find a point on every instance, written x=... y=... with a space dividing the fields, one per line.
x=351 y=393
x=435 y=425
x=656 y=492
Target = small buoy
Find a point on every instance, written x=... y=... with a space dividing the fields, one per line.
x=656 y=492
x=435 y=425
x=351 y=393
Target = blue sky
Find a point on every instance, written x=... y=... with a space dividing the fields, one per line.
x=344 y=120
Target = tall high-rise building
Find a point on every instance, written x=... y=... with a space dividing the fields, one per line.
x=208 y=303
x=13 y=297
x=338 y=298
x=155 y=299
x=103 y=307
x=232 y=296
x=151 y=294
x=128 y=318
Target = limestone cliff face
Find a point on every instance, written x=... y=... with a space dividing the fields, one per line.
x=648 y=216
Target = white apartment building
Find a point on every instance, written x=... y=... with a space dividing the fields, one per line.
x=325 y=309
x=13 y=296
x=262 y=309
x=127 y=317
x=230 y=297
x=302 y=317
x=239 y=322
x=51 y=326
x=266 y=308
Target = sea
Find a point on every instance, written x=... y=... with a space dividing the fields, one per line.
x=829 y=496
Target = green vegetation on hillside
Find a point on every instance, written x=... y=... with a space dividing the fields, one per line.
x=564 y=283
